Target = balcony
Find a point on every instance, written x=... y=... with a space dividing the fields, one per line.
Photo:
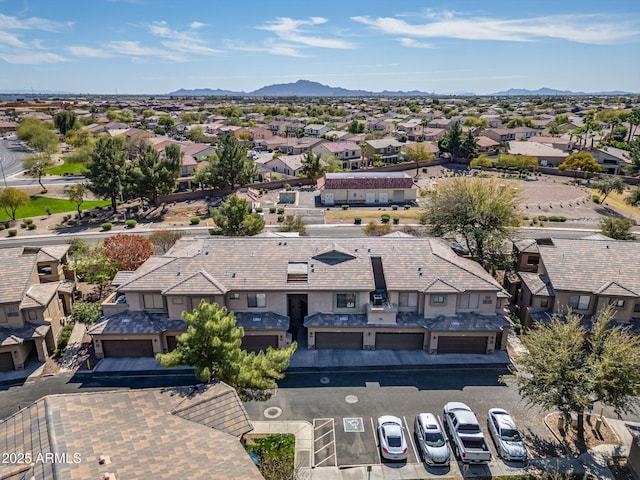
x=114 y=303
x=381 y=312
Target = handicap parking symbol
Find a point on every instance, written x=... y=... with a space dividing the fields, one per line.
x=353 y=425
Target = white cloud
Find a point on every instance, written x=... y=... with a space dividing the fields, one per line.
x=135 y=50
x=80 y=51
x=31 y=57
x=182 y=41
x=14 y=48
x=413 y=43
x=270 y=46
x=196 y=25
x=590 y=29
x=293 y=31
x=32 y=23
x=11 y=39
x=186 y=46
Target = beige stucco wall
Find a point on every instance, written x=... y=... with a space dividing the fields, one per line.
x=360 y=195
x=562 y=302
x=11 y=320
x=623 y=314
x=19 y=353
x=54 y=315
x=449 y=308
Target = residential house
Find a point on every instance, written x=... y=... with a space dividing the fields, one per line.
x=190 y=432
x=523 y=133
x=426 y=134
x=613 y=160
x=35 y=297
x=547 y=156
x=558 y=143
x=349 y=153
x=385 y=150
x=487 y=145
x=286 y=164
x=316 y=130
x=297 y=146
x=500 y=135
x=585 y=275
x=366 y=188
x=352 y=293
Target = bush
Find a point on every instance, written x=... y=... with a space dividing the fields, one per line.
x=31 y=226
x=63 y=339
x=345 y=207
x=424 y=169
x=23 y=225
x=48 y=210
x=259 y=210
x=272 y=209
x=12 y=232
x=280 y=218
x=385 y=218
x=407 y=207
x=280 y=210
x=195 y=220
x=357 y=220
x=394 y=207
x=28 y=221
x=107 y=226
x=596 y=198
x=87 y=312
x=556 y=218
x=543 y=218
x=131 y=223
x=1 y=226
x=396 y=220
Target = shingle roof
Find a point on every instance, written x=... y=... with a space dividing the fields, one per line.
x=261 y=264
x=151 y=433
x=592 y=265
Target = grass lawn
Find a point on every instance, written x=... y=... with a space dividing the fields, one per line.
x=37 y=205
x=616 y=201
x=68 y=168
x=337 y=215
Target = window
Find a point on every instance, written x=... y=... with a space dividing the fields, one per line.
x=468 y=301
x=438 y=300
x=533 y=260
x=32 y=315
x=346 y=300
x=153 y=301
x=579 y=302
x=177 y=300
x=544 y=303
x=618 y=302
x=637 y=307
x=256 y=300
x=408 y=299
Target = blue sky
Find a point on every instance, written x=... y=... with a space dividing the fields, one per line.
x=157 y=46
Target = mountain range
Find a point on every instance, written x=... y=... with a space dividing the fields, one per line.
x=306 y=88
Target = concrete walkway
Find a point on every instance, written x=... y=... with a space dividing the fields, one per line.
x=70 y=355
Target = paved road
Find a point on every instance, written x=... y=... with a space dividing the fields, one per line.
x=11 y=156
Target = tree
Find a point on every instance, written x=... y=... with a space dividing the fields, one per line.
x=106 y=169
x=582 y=161
x=451 y=141
x=38 y=134
x=86 y=312
x=154 y=174
x=163 y=240
x=634 y=120
x=233 y=167
x=127 y=252
x=92 y=265
x=312 y=164
x=617 y=228
x=418 y=153
x=634 y=157
x=234 y=218
x=64 y=121
x=76 y=194
x=566 y=369
x=469 y=147
x=356 y=127
x=633 y=198
x=212 y=344
x=35 y=165
x=11 y=199
x=481 y=211
x=607 y=184
x=294 y=223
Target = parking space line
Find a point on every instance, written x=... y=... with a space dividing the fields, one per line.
x=319 y=424
x=375 y=438
x=324 y=435
x=415 y=452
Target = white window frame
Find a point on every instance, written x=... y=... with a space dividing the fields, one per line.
x=618 y=302
x=256 y=300
x=348 y=305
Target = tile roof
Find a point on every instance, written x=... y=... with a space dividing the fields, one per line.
x=367 y=180
x=534 y=149
x=592 y=265
x=164 y=433
x=137 y=322
x=198 y=283
x=52 y=252
x=537 y=284
x=15 y=281
x=262 y=320
x=39 y=295
x=468 y=322
x=17 y=336
x=337 y=147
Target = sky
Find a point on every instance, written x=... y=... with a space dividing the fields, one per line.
x=159 y=46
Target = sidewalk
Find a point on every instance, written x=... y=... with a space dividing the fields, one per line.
x=69 y=357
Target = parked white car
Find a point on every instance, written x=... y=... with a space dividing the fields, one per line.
x=506 y=436
x=393 y=445
x=431 y=440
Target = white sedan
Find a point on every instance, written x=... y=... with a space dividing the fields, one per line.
x=506 y=435
x=393 y=445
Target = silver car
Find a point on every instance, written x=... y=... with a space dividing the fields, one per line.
x=506 y=436
x=431 y=439
x=393 y=445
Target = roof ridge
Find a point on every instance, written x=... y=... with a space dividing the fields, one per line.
x=51 y=434
x=170 y=260
x=464 y=269
x=438 y=279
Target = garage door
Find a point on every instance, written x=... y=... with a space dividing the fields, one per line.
x=399 y=341
x=339 y=340
x=6 y=362
x=462 y=345
x=127 y=348
x=253 y=343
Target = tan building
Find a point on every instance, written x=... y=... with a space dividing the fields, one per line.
x=371 y=188
x=35 y=297
x=585 y=275
x=354 y=293
x=385 y=150
x=162 y=434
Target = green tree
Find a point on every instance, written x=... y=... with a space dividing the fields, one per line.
x=312 y=164
x=634 y=120
x=634 y=157
x=568 y=370
x=64 y=121
x=469 y=147
x=212 y=345
x=633 y=198
x=154 y=174
x=451 y=142
x=86 y=312
x=233 y=168
x=234 y=218
x=38 y=134
x=106 y=169
x=332 y=164
x=76 y=193
x=93 y=266
x=11 y=199
x=482 y=211
x=166 y=122
x=482 y=162
x=294 y=223
x=35 y=166
x=618 y=228
x=355 y=127
x=607 y=184
x=582 y=160
x=418 y=153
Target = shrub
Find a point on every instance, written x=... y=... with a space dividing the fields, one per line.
x=407 y=207
x=280 y=218
x=280 y=210
x=31 y=226
x=396 y=220
x=23 y=225
x=259 y=210
x=345 y=207
x=107 y=226
x=86 y=312
x=48 y=210
x=28 y=221
x=424 y=169
x=384 y=218
x=1 y=226
x=272 y=209
x=195 y=220
x=596 y=198
x=394 y=207
x=357 y=220
x=63 y=339
x=131 y=223
x=556 y=218
x=543 y=218
x=12 y=232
